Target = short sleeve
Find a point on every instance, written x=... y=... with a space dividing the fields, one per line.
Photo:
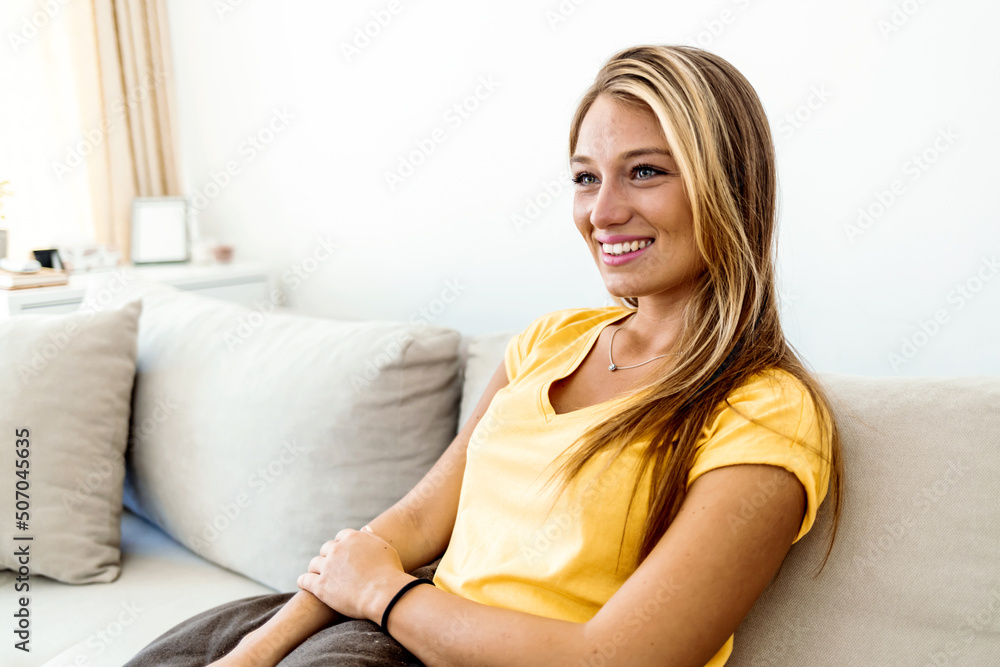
x=783 y=429
x=513 y=356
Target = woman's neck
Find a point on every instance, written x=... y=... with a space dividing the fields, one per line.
x=651 y=331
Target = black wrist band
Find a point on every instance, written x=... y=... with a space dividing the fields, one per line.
x=397 y=596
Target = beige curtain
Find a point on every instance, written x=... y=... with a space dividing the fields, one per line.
x=125 y=82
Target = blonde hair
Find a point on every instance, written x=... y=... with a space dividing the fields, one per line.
x=719 y=136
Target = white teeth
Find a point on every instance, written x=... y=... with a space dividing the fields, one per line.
x=622 y=248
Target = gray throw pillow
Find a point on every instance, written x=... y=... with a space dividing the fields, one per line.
x=64 y=419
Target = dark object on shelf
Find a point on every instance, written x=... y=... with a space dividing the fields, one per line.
x=49 y=258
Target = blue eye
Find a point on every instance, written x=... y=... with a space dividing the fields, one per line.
x=584 y=178
x=645 y=172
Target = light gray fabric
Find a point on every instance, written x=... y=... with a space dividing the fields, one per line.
x=161 y=584
x=914 y=576
x=261 y=434
x=483 y=355
x=67 y=380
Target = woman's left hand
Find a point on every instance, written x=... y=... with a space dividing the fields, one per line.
x=351 y=571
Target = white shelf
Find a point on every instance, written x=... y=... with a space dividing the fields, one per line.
x=242 y=282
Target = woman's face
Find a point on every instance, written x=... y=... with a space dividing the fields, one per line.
x=630 y=205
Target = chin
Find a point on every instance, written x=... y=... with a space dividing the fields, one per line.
x=620 y=293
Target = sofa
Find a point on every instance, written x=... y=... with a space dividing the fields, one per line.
x=206 y=449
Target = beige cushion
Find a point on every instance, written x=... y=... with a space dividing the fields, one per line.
x=914 y=576
x=67 y=381
x=483 y=355
x=261 y=434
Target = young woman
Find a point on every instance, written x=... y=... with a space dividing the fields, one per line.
x=633 y=476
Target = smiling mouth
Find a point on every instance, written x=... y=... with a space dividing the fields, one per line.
x=618 y=249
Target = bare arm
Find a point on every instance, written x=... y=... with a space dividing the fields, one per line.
x=678 y=607
x=418 y=527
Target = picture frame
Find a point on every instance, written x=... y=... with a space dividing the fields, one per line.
x=160 y=230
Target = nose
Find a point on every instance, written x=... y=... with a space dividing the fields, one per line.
x=610 y=206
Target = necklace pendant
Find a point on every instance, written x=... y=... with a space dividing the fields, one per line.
x=612 y=367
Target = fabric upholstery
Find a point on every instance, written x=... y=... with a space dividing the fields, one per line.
x=161 y=584
x=64 y=420
x=277 y=430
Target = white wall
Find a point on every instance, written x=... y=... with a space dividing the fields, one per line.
x=888 y=81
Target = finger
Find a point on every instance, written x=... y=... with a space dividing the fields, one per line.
x=343 y=533
x=326 y=548
x=306 y=581
x=315 y=564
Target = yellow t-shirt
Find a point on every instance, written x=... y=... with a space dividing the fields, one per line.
x=513 y=548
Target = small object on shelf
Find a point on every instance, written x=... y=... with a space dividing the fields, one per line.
x=222 y=253
x=48 y=257
x=88 y=256
x=3 y=243
x=43 y=277
x=20 y=266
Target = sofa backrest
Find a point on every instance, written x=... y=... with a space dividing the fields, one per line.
x=914 y=575
x=272 y=429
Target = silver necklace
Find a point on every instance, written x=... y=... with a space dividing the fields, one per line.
x=611 y=344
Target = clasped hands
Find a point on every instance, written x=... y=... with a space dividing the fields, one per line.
x=356 y=574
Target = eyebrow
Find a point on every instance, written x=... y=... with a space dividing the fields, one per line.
x=628 y=155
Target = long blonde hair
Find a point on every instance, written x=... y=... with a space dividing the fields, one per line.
x=718 y=134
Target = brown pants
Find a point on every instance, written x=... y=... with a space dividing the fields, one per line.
x=211 y=634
